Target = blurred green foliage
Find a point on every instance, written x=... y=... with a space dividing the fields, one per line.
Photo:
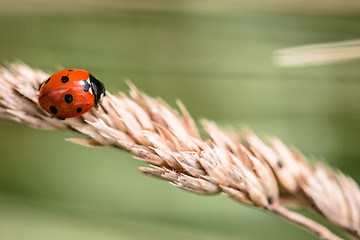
x=218 y=62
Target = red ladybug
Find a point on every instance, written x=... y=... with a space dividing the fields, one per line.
x=70 y=93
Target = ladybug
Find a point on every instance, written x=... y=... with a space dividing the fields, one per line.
x=70 y=93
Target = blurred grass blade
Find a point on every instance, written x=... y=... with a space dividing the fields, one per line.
x=318 y=54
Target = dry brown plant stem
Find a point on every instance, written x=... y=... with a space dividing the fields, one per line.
x=319 y=230
x=244 y=168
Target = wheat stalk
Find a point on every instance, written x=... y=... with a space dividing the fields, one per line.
x=267 y=176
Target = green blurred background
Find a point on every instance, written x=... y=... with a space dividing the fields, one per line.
x=216 y=56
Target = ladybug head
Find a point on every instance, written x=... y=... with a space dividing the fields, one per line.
x=97 y=88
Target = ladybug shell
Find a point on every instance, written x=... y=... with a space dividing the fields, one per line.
x=67 y=94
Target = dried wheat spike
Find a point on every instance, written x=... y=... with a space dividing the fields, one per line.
x=243 y=168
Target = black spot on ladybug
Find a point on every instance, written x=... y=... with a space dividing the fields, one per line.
x=64 y=79
x=68 y=98
x=79 y=110
x=86 y=85
x=53 y=109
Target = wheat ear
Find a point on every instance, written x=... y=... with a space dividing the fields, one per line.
x=266 y=176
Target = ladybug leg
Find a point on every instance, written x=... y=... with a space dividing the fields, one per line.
x=61 y=118
x=41 y=85
x=44 y=83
